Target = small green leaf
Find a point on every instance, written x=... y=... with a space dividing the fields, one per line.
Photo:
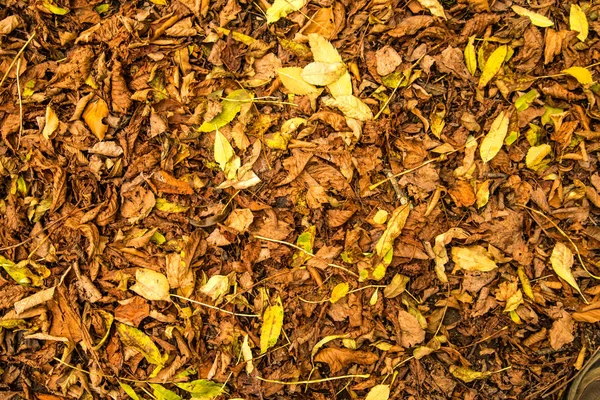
x=524 y=101
x=162 y=393
x=202 y=389
x=271 y=327
x=129 y=390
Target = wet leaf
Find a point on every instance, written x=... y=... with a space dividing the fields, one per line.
x=151 y=285
x=137 y=339
x=379 y=392
x=492 y=66
x=578 y=22
x=271 y=327
x=281 y=8
x=493 y=141
x=583 y=75
x=323 y=73
x=562 y=262
x=230 y=107
x=352 y=107
x=536 y=19
x=339 y=292
x=291 y=77
x=473 y=258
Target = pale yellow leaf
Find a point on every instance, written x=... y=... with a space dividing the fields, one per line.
x=379 y=392
x=380 y=217
x=473 y=258
x=93 y=115
x=151 y=285
x=323 y=73
x=216 y=287
x=322 y=49
x=493 y=141
x=437 y=119
x=339 y=292
x=225 y=156
x=536 y=19
x=247 y=354
x=562 y=261
x=535 y=155
x=578 y=22
x=434 y=7
x=291 y=77
x=51 y=123
x=396 y=287
x=393 y=230
x=271 y=327
x=467 y=374
x=483 y=194
x=583 y=75
x=352 y=107
x=281 y=8
x=470 y=56
x=341 y=87
x=492 y=65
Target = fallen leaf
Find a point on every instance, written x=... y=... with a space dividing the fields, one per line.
x=385 y=245
x=396 y=287
x=583 y=75
x=535 y=156
x=562 y=261
x=225 y=156
x=230 y=107
x=492 y=66
x=434 y=7
x=271 y=326
x=216 y=287
x=162 y=393
x=247 y=354
x=536 y=19
x=94 y=114
x=352 y=107
x=151 y=285
x=561 y=332
x=51 y=123
x=440 y=252
x=379 y=392
x=578 y=22
x=138 y=340
x=281 y=8
x=338 y=359
x=322 y=49
x=467 y=374
x=203 y=388
x=411 y=332
x=9 y=24
x=493 y=141
x=339 y=292
x=473 y=258
x=291 y=77
x=323 y=73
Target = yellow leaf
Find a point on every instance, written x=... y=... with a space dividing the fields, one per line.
x=578 y=22
x=562 y=261
x=151 y=285
x=323 y=73
x=271 y=327
x=51 y=123
x=483 y=194
x=525 y=282
x=341 y=87
x=230 y=106
x=470 y=56
x=216 y=287
x=137 y=339
x=385 y=245
x=339 y=292
x=170 y=207
x=281 y=8
x=492 y=66
x=323 y=50
x=492 y=143
x=291 y=77
x=467 y=374
x=434 y=7
x=53 y=8
x=225 y=156
x=536 y=19
x=535 y=155
x=352 y=107
x=583 y=75
x=94 y=113
x=396 y=287
x=437 y=119
x=247 y=354
x=379 y=392
x=380 y=217
x=473 y=258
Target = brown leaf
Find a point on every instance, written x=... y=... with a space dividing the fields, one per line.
x=411 y=25
x=462 y=193
x=410 y=332
x=167 y=183
x=561 y=332
x=340 y=358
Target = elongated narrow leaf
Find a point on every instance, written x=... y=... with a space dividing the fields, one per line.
x=129 y=390
x=562 y=261
x=536 y=19
x=281 y=8
x=470 y=56
x=291 y=77
x=51 y=122
x=578 y=22
x=225 y=156
x=271 y=327
x=202 y=388
x=467 y=374
x=492 y=66
x=493 y=141
x=385 y=245
x=162 y=393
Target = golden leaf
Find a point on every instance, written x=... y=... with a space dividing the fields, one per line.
x=536 y=19
x=473 y=258
x=352 y=107
x=493 y=141
x=535 y=155
x=562 y=261
x=291 y=77
x=323 y=50
x=51 y=123
x=323 y=73
x=470 y=56
x=93 y=115
x=583 y=75
x=281 y=8
x=339 y=292
x=434 y=7
x=578 y=22
x=492 y=66
x=379 y=392
x=271 y=327
x=151 y=285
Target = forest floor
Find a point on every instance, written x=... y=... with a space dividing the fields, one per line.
x=298 y=199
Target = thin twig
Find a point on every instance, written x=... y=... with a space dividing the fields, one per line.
x=16 y=58
x=365 y=376
x=215 y=308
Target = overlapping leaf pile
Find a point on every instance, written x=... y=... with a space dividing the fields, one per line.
x=298 y=199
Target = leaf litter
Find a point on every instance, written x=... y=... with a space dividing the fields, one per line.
x=283 y=199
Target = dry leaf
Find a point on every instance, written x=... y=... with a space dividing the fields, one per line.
x=94 y=114
x=410 y=332
x=562 y=261
x=352 y=107
x=492 y=66
x=578 y=22
x=338 y=359
x=434 y=7
x=536 y=19
x=473 y=258
x=151 y=285
x=323 y=73
x=379 y=392
x=51 y=123
x=493 y=141
x=271 y=327
x=561 y=332
x=291 y=77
